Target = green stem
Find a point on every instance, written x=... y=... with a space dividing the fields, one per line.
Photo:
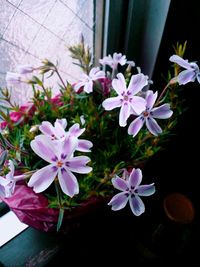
x=59 y=198
x=46 y=93
x=59 y=76
x=162 y=93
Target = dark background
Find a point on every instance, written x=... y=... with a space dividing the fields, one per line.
x=111 y=237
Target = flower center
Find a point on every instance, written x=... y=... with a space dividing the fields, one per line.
x=145 y=114
x=125 y=98
x=59 y=164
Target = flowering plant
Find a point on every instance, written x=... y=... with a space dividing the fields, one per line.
x=110 y=115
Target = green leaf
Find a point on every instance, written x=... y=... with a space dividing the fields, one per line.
x=60 y=219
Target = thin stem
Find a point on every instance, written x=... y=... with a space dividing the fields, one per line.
x=58 y=194
x=162 y=93
x=46 y=93
x=59 y=76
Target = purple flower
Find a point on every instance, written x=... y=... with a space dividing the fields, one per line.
x=114 y=61
x=131 y=191
x=24 y=69
x=13 y=78
x=86 y=81
x=126 y=98
x=147 y=116
x=7 y=183
x=57 y=132
x=190 y=74
x=62 y=164
x=82 y=145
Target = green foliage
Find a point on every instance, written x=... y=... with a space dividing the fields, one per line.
x=113 y=148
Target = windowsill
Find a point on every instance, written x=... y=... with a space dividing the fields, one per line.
x=10 y=227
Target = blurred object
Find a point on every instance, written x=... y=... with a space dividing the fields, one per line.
x=179 y=208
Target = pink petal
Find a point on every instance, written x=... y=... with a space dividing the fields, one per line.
x=44 y=148
x=78 y=85
x=151 y=99
x=146 y=190
x=137 y=82
x=84 y=145
x=136 y=205
x=75 y=130
x=119 y=201
x=162 y=112
x=135 y=126
x=180 y=61
x=153 y=126
x=68 y=182
x=135 y=178
x=119 y=84
x=93 y=71
x=186 y=76
x=43 y=178
x=68 y=146
x=138 y=104
x=78 y=164
x=88 y=88
x=120 y=184
x=112 y=102
x=12 y=169
x=62 y=122
x=124 y=114
x=47 y=128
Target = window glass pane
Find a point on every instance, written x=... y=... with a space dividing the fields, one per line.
x=34 y=30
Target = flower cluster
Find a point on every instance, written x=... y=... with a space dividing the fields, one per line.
x=109 y=113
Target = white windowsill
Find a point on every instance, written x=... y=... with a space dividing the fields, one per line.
x=10 y=226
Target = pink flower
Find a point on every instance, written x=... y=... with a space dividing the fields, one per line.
x=114 y=60
x=148 y=115
x=131 y=190
x=59 y=155
x=86 y=81
x=126 y=98
x=56 y=100
x=3 y=125
x=7 y=183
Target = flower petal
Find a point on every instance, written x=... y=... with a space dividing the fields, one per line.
x=88 y=88
x=44 y=148
x=68 y=147
x=11 y=167
x=138 y=104
x=135 y=178
x=124 y=114
x=153 y=126
x=135 y=126
x=136 y=205
x=112 y=102
x=180 y=61
x=47 y=128
x=68 y=182
x=119 y=201
x=137 y=82
x=119 y=84
x=78 y=164
x=78 y=85
x=75 y=130
x=62 y=122
x=162 y=112
x=151 y=99
x=186 y=76
x=43 y=178
x=146 y=190
x=120 y=184
x=84 y=145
